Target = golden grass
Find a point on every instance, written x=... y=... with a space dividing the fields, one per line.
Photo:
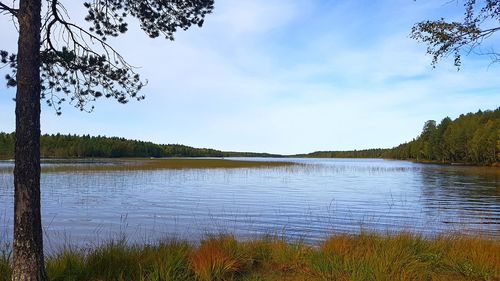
x=363 y=256
x=172 y=163
x=216 y=259
x=158 y=164
x=406 y=256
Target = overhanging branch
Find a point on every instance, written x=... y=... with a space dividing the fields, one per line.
x=6 y=9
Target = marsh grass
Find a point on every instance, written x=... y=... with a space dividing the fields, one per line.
x=5 y=270
x=159 y=164
x=5 y=254
x=363 y=256
x=139 y=164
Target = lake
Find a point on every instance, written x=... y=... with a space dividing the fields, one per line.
x=307 y=201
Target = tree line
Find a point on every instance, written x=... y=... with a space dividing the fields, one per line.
x=365 y=153
x=472 y=138
x=86 y=146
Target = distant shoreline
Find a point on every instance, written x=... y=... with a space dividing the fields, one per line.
x=456 y=164
x=471 y=140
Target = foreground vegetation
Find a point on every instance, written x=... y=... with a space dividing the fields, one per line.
x=364 y=256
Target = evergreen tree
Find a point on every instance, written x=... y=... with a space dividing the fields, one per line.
x=60 y=60
x=471 y=138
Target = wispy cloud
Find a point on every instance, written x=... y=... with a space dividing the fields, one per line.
x=287 y=77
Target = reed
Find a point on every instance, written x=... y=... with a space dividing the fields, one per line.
x=161 y=164
x=5 y=257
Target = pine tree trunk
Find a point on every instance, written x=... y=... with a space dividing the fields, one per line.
x=28 y=238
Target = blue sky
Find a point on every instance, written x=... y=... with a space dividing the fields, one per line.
x=284 y=76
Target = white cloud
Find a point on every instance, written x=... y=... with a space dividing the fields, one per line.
x=286 y=77
x=242 y=18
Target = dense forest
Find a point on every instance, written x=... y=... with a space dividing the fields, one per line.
x=471 y=138
x=74 y=146
x=366 y=153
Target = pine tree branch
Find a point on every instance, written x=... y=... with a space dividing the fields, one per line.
x=6 y=9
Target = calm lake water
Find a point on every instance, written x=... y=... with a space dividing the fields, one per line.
x=308 y=201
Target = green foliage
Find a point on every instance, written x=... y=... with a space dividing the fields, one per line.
x=471 y=138
x=179 y=150
x=444 y=37
x=7 y=145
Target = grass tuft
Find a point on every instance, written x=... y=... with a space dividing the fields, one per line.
x=169 y=261
x=217 y=258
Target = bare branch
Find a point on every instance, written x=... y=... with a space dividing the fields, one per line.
x=6 y=9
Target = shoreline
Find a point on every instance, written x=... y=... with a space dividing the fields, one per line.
x=454 y=164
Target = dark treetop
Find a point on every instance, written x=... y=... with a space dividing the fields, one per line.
x=79 y=65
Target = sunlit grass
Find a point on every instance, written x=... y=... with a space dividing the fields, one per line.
x=173 y=163
x=217 y=258
x=155 y=164
x=363 y=256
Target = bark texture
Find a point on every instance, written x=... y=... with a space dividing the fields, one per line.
x=28 y=238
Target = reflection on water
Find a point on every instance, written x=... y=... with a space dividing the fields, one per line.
x=306 y=201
